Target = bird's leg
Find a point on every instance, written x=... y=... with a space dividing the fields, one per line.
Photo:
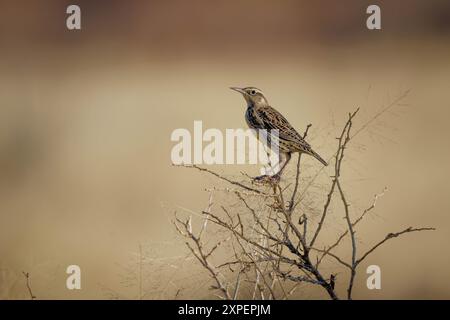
x=265 y=176
x=284 y=159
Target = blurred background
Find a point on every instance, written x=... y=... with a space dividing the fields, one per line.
x=86 y=118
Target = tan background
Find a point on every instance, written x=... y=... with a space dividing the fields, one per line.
x=86 y=116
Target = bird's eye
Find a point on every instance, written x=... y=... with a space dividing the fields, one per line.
x=253 y=92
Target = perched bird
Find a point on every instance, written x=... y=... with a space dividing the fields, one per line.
x=260 y=115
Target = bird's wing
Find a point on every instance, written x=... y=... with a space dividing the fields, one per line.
x=272 y=119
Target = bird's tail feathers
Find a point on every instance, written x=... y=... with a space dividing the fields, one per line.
x=316 y=155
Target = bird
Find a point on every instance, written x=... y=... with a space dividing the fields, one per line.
x=261 y=115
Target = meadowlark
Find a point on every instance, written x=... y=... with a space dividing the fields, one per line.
x=260 y=115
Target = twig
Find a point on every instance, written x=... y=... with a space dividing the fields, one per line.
x=27 y=277
x=391 y=236
x=345 y=233
x=236 y=183
x=200 y=254
x=297 y=176
x=339 y=156
x=351 y=231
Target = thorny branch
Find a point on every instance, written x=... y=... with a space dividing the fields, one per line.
x=269 y=243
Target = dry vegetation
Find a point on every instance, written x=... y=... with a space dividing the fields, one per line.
x=263 y=242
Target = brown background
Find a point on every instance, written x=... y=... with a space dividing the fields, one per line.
x=86 y=117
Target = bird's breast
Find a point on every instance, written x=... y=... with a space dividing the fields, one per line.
x=252 y=119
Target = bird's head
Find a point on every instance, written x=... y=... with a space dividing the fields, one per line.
x=252 y=95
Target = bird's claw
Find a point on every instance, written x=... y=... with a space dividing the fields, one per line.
x=265 y=179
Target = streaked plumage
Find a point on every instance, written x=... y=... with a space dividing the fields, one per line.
x=260 y=115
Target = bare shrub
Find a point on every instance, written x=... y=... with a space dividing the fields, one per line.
x=263 y=242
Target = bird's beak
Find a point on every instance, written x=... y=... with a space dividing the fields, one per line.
x=240 y=90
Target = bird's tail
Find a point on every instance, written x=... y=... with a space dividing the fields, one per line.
x=316 y=155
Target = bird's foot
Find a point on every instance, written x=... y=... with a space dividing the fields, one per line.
x=266 y=179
